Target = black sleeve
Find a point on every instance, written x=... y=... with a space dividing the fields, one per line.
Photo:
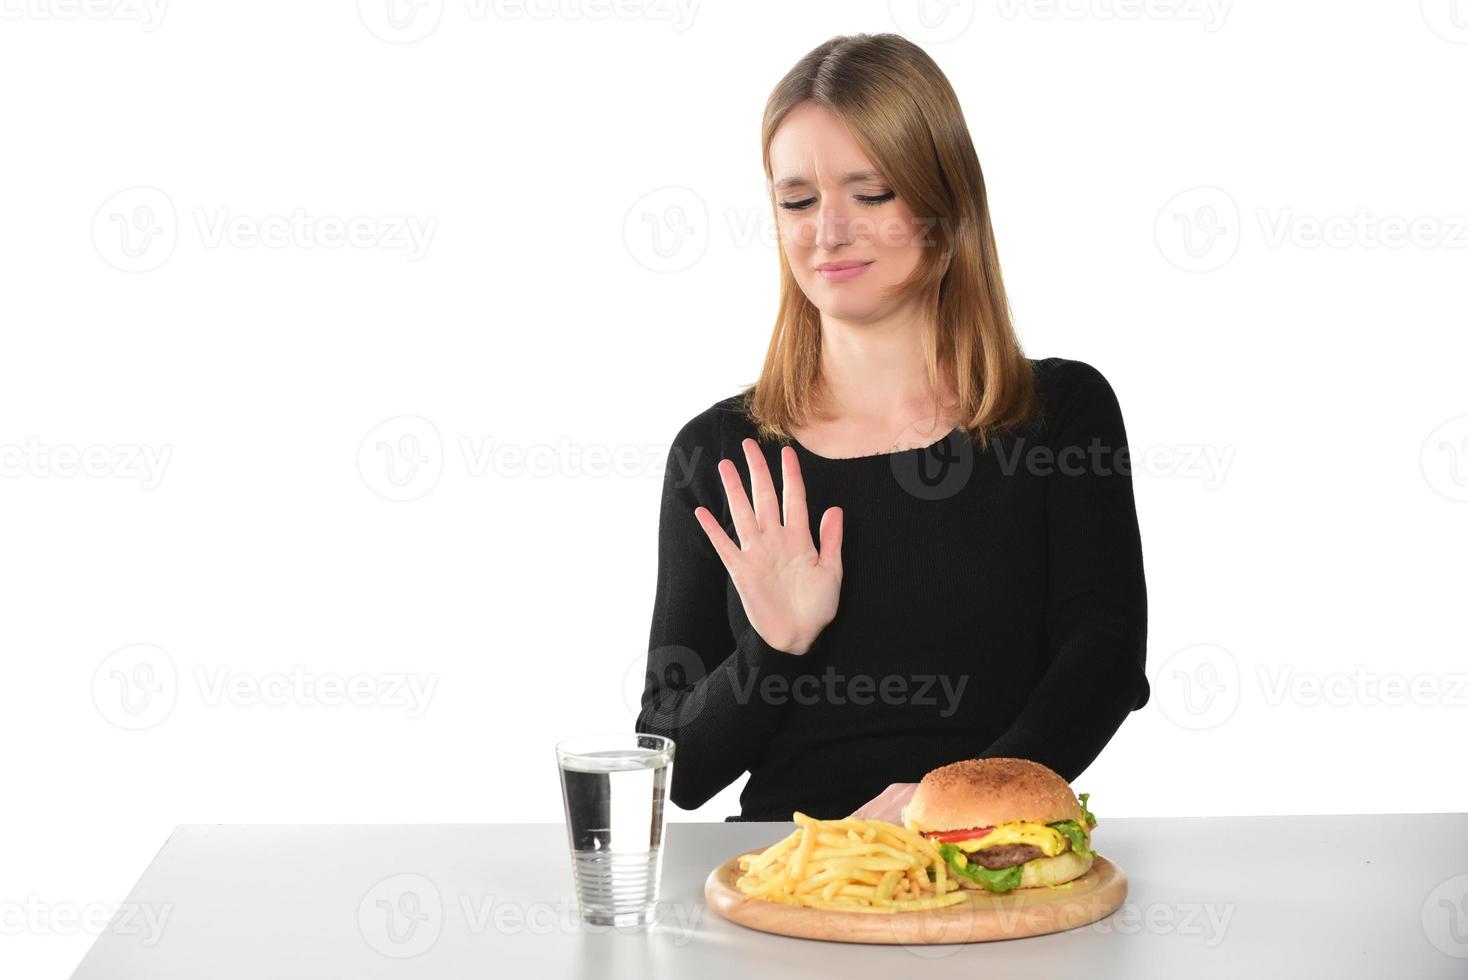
x=702 y=686
x=1096 y=595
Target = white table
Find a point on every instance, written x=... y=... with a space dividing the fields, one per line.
x=1263 y=897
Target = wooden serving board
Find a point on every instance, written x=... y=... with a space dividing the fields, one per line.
x=985 y=916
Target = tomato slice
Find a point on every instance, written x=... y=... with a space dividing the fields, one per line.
x=949 y=836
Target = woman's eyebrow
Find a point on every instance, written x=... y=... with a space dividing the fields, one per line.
x=855 y=176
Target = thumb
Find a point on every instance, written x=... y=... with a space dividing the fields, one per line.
x=831 y=527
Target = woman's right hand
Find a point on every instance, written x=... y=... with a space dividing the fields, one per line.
x=789 y=590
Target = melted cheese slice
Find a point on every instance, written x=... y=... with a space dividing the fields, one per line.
x=1047 y=839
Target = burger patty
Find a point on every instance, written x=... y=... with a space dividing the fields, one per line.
x=1008 y=855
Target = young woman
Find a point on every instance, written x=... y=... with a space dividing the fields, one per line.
x=977 y=589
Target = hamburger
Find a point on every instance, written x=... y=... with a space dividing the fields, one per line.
x=1003 y=823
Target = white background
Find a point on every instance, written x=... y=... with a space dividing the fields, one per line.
x=593 y=266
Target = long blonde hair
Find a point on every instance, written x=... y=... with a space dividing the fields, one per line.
x=904 y=113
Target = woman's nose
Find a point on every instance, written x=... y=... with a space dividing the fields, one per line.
x=833 y=227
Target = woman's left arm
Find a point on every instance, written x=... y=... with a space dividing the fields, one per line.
x=1096 y=594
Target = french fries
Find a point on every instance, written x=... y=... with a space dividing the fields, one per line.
x=850 y=865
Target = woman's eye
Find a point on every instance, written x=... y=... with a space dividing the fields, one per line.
x=870 y=200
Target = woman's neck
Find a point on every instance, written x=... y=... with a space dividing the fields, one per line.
x=873 y=373
x=875 y=392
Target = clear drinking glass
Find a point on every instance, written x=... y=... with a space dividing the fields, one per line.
x=613 y=787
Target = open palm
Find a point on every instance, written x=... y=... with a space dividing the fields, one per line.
x=789 y=589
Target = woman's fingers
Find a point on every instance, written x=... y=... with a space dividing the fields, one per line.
x=727 y=550
x=832 y=526
x=789 y=590
x=766 y=503
x=746 y=525
x=796 y=517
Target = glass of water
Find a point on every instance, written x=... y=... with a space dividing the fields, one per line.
x=614 y=786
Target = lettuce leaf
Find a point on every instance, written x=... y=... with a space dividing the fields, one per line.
x=1001 y=880
x=1078 y=839
x=1090 y=817
x=1079 y=836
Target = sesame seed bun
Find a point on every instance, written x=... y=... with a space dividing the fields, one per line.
x=1055 y=870
x=985 y=792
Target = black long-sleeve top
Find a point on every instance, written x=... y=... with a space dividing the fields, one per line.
x=992 y=604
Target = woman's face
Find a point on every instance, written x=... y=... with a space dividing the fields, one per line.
x=848 y=238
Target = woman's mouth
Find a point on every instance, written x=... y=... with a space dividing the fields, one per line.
x=841 y=271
